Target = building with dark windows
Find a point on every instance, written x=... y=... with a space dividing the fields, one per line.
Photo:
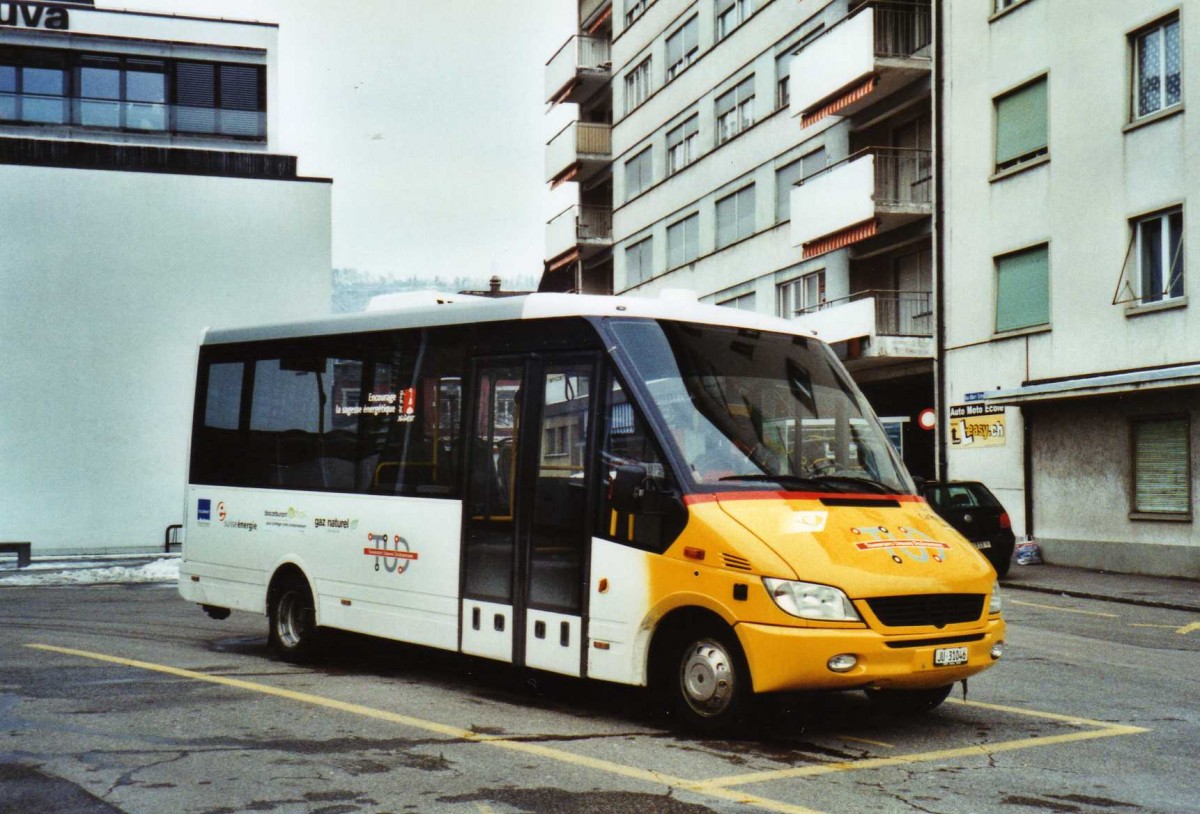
x=768 y=155
x=1072 y=358
x=142 y=199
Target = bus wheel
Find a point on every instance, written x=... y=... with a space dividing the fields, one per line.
x=712 y=688
x=294 y=632
x=909 y=702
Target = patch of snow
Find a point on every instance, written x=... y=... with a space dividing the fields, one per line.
x=161 y=570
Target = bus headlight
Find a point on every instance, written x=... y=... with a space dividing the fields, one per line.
x=810 y=601
x=996 y=603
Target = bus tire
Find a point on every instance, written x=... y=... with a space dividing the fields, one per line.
x=294 y=635
x=908 y=703
x=709 y=680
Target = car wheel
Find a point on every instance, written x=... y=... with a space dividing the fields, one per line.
x=294 y=635
x=711 y=683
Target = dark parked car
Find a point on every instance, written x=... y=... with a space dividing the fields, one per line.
x=977 y=515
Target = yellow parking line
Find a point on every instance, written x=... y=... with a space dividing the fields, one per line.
x=718 y=787
x=1061 y=609
x=621 y=770
x=981 y=750
x=868 y=742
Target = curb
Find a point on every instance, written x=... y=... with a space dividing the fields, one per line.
x=1080 y=594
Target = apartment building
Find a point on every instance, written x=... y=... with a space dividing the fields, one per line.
x=772 y=155
x=142 y=199
x=1072 y=358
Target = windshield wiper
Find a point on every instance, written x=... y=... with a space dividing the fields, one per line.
x=854 y=480
x=794 y=481
x=820 y=483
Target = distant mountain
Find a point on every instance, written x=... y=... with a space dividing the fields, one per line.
x=353 y=289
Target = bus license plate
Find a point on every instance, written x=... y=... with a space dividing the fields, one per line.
x=949 y=656
x=982 y=544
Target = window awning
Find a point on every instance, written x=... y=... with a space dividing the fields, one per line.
x=1102 y=385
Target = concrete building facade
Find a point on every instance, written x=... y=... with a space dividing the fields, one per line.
x=769 y=155
x=142 y=199
x=1072 y=353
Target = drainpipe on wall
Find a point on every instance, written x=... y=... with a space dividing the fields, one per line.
x=939 y=252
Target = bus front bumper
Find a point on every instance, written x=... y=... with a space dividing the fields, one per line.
x=786 y=659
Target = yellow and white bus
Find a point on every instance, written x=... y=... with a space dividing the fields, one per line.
x=649 y=492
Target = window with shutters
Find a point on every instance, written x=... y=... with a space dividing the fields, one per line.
x=742 y=302
x=683 y=241
x=681 y=144
x=637 y=85
x=803 y=295
x=639 y=173
x=1023 y=289
x=787 y=176
x=735 y=110
x=132 y=94
x=1162 y=482
x=639 y=262
x=682 y=47
x=735 y=216
x=1021 y=125
x=731 y=14
x=1157 y=68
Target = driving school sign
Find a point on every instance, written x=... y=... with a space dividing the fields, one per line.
x=975 y=426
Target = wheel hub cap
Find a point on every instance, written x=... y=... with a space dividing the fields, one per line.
x=707 y=678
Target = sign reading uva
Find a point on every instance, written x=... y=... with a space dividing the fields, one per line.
x=33 y=15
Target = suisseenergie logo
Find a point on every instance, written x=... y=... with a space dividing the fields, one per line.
x=34 y=15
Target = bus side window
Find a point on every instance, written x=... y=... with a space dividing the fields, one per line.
x=629 y=446
x=217 y=454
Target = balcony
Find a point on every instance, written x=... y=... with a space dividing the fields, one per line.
x=874 y=52
x=870 y=192
x=578 y=152
x=578 y=233
x=580 y=67
x=885 y=326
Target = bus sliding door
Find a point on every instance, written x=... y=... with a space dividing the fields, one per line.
x=525 y=533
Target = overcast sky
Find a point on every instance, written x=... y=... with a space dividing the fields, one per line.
x=428 y=116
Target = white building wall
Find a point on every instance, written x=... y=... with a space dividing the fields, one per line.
x=106 y=282
x=756 y=263
x=1101 y=172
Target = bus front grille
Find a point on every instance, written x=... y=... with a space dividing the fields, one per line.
x=937 y=610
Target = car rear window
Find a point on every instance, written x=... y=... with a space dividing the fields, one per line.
x=960 y=496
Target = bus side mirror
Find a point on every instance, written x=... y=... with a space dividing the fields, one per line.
x=627 y=488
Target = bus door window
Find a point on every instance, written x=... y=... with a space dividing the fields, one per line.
x=558 y=533
x=415 y=412
x=491 y=488
x=628 y=447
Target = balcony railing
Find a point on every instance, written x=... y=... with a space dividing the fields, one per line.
x=897 y=313
x=871 y=53
x=579 y=227
x=578 y=55
x=883 y=187
x=902 y=30
x=902 y=176
x=578 y=150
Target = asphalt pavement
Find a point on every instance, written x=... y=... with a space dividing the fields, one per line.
x=1133 y=589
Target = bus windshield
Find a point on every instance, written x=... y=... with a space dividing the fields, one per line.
x=742 y=408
